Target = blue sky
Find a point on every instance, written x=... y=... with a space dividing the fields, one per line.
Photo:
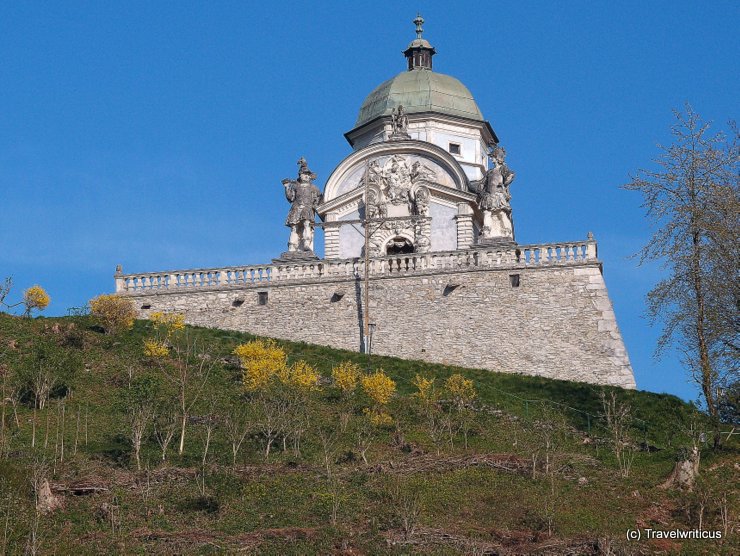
x=155 y=134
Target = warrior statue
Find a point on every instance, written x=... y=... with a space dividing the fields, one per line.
x=304 y=197
x=400 y=123
x=493 y=198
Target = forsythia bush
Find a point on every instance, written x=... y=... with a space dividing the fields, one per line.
x=346 y=376
x=424 y=388
x=113 y=312
x=260 y=360
x=379 y=387
x=461 y=389
x=378 y=418
x=301 y=375
x=35 y=297
x=155 y=349
x=168 y=322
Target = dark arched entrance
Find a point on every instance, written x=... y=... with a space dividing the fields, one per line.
x=399 y=246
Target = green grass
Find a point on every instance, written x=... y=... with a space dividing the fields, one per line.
x=286 y=505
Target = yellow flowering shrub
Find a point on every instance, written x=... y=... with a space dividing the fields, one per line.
x=168 y=322
x=155 y=349
x=378 y=418
x=379 y=387
x=35 y=297
x=346 y=376
x=113 y=312
x=424 y=388
x=461 y=389
x=301 y=375
x=261 y=360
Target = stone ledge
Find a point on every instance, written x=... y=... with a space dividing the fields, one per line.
x=331 y=279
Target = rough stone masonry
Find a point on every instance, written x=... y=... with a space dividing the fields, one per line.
x=546 y=318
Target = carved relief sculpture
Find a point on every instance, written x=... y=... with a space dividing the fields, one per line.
x=493 y=198
x=398 y=183
x=304 y=198
x=398 y=180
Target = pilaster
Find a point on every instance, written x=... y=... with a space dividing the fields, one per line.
x=464 y=220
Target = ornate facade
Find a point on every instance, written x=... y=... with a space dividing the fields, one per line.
x=418 y=227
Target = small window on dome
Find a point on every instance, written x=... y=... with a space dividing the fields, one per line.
x=454 y=148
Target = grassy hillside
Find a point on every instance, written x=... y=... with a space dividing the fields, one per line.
x=538 y=475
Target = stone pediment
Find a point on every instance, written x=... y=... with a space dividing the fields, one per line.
x=397 y=167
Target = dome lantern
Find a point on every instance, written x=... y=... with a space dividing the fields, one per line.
x=419 y=53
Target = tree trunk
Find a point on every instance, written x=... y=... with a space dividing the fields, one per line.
x=182 y=433
x=705 y=365
x=209 y=430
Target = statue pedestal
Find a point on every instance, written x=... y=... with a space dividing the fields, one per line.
x=399 y=136
x=296 y=257
x=504 y=242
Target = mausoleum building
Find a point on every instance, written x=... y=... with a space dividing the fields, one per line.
x=420 y=256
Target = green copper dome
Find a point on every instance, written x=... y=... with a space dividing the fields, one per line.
x=420 y=90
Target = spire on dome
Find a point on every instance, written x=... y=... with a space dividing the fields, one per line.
x=419 y=22
x=419 y=53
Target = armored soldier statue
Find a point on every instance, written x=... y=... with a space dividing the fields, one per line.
x=304 y=197
x=494 y=196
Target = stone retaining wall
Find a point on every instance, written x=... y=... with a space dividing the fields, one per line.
x=558 y=322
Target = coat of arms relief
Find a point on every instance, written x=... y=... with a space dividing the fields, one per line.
x=397 y=205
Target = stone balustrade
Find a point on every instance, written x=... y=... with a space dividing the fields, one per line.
x=480 y=257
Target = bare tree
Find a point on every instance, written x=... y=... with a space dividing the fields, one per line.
x=190 y=366
x=141 y=404
x=139 y=419
x=270 y=417
x=237 y=425
x=5 y=290
x=618 y=418
x=692 y=199
x=166 y=423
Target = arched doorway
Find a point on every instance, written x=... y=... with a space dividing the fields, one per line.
x=399 y=246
